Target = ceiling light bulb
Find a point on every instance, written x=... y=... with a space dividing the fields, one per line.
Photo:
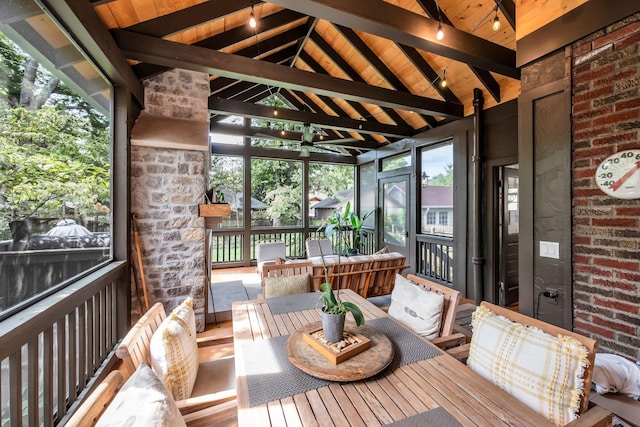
x=496 y=23
x=443 y=82
x=252 y=19
x=282 y=132
x=440 y=33
x=275 y=111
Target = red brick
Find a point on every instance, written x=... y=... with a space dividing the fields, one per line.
x=629 y=103
x=612 y=139
x=590 y=327
x=594 y=74
x=617 y=305
x=618 y=35
x=614 y=222
x=593 y=112
x=616 y=77
x=581 y=240
x=583 y=173
x=628 y=211
x=627 y=41
x=580 y=107
x=582 y=68
x=625 y=275
x=616 y=284
x=614 y=325
x=616 y=263
x=592 y=152
x=581 y=259
x=582 y=49
x=593 y=94
x=580 y=202
x=581 y=124
x=622 y=116
x=593 y=270
x=587 y=193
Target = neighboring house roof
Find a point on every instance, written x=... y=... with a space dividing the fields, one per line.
x=435 y=195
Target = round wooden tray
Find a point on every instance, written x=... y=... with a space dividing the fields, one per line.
x=358 y=367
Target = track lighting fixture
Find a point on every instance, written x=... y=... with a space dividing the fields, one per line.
x=439 y=33
x=252 y=18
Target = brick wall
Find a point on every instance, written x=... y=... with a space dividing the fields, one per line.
x=606 y=230
x=166 y=186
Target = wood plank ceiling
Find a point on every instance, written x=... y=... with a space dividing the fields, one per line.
x=368 y=72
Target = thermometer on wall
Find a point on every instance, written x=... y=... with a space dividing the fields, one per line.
x=619 y=175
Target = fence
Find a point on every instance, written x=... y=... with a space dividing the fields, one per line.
x=435 y=258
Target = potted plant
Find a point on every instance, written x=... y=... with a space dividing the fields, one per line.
x=347 y=218
x=334 y=310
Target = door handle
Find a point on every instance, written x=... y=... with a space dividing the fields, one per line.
x=406 y=234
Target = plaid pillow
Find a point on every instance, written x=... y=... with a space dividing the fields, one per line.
x=540 y=370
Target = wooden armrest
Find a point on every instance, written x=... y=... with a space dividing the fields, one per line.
x=597 y=416
x=453 y=340
x=226 y=411
x=461 y=352
x=193 y=404
x=95 y=404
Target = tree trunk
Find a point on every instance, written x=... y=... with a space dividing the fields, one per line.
x=28 y=82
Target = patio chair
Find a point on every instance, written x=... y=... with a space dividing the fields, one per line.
x=267 y=252
x=544 y=366
x=286 y=279
x=317 y=247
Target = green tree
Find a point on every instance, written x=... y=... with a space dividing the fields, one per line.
x=444 y=179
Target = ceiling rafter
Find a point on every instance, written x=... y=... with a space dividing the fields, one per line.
x=172 y=54
x=353 y=75
x=384 y=71
x=244 y=109
x=508 y=9
x=488 y=81
x=411 y=29
x=190 y=17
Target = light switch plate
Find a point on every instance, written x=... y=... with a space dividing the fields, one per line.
x=550 y=249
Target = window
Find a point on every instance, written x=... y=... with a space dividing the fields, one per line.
x=368 y=188
x=55 y=146
x=436 y=189
x=330 y=187
x=276 y=191
x=396 y=162
x=227 y=177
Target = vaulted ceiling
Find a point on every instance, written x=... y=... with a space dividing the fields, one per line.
x=368 y=72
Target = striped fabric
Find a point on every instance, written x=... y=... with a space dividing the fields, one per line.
x=174 y=351
x=542 y=371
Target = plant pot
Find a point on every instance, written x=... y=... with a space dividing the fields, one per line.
x=333 y=326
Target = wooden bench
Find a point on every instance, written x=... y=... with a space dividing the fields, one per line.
x=202 y=408
x=367 y=275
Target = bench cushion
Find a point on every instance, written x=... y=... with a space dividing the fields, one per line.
x=174 y=351
x=416 y=307
x=143 y=401
x=287 y=285
x=544 y=372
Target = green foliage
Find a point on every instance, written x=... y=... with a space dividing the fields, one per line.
x=333 y=304
x=278 y=183
x=443 y=179
x=347 y=219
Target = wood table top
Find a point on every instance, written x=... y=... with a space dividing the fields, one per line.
x=397 y=393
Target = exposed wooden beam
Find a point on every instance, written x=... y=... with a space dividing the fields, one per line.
x=225 y=106
x=244 y=32
x=86 y=27
x=272 y=43
x=302 y=42
x=411 y=29
x=485 y=77
x=508 y=9
x=172 y=54
x=255 y=132
x=15 y=11
x=190 y=17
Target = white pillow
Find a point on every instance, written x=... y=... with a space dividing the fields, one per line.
x=542 y=371
x=143 y=401
x=615 y=374
x=174 y=351
x=416 y=307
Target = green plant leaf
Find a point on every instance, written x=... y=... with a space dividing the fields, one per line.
x=355 y=311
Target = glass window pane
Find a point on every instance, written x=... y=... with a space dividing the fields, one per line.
x=396 y=162
x=330 y=188
x=276 y=191
x=55 y=206
x=368 y=188
x=394 y=215
x=227 y=177
x=436 y=179
x=219 y=138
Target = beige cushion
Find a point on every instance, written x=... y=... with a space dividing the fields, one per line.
x=540 y=370
x=416 y=307
x=174 y=351
x=286 y=285
x=143 y=401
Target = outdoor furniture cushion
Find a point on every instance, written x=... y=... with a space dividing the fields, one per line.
x=544 y=372
x=615 y=374
x=174 y=351
x=143 y=401
x=318 y=247
x=416 y=307
x=287 y=285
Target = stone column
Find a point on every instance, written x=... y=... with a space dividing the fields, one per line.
x=169 y=158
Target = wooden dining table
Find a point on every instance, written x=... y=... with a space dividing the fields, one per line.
x=434 y=390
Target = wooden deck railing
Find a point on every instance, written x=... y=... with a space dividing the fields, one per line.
x=434 y=258
x=50 y=351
